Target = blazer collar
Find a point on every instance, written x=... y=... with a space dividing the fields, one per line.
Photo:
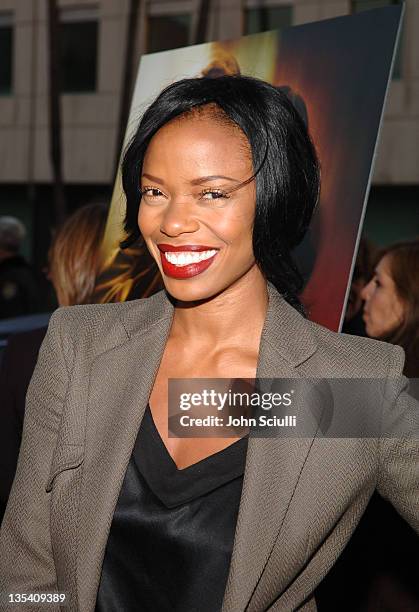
x=273 y=466
x=121 y=380
x=285 y=330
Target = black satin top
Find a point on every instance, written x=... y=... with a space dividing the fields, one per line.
x=171 y=538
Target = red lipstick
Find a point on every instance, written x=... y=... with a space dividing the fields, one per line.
x=185 y=270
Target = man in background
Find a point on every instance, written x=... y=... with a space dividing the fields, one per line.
x=19 y=290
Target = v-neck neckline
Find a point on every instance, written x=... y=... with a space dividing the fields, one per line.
x=176 y=486
x=149 y=415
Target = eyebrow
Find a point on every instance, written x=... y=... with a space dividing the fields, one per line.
x=198 y=181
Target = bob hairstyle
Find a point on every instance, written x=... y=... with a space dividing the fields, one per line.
x=404 y=266
x=285 y=165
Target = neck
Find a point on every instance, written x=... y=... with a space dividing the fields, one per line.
x=232 y=317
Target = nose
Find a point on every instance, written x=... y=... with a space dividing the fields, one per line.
x=178 y=218
x=366 y=291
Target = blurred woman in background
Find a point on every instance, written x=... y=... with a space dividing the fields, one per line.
x=387 y=565
x=391 y=313
x=391 y=309
x=74 y=264
x=363 y=270
x=75 y=257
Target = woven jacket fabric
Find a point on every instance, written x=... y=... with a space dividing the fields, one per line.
x=302 y=497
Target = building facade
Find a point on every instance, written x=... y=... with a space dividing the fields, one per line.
x=92 y=51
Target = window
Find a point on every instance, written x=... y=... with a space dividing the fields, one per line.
x=78 y=47
x=263 y=18
x=168 y=32
x=6 y=52
x=366 y=5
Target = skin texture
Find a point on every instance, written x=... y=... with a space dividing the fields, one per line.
x=383 y=309
x=208 y=338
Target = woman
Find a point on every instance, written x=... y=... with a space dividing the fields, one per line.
x=74 y=263
x=391 y=308
x=221 y=180
x=388 y=566
x=74 y=258
x=391 y=313
x=364 y=265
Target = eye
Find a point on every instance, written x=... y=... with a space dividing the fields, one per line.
x=376 y=282
x=151 y=192
x=213 y=194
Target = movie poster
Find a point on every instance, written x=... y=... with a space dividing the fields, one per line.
x=336 y=73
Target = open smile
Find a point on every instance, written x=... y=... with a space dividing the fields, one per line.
x=185 y=261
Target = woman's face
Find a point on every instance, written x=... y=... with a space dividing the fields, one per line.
x=199 y=234
x=383 y=309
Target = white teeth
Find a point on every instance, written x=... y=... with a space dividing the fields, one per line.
x=186 y=258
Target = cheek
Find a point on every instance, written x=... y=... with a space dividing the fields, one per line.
x=140 y=216
x=389 y=306
x=377 y=316
x=236 y=225
x=239 y=240
x=146 y=221
x=234 y=234
x=385 y=312
x=377 y=306
x=398 y=309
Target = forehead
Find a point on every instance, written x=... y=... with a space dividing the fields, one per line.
x=384 y=266
x=199 y=141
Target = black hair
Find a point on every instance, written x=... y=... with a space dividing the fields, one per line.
x=286 y=168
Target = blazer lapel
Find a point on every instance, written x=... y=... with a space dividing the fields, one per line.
x=121 y=381
x=273 y=466
x=120 y=385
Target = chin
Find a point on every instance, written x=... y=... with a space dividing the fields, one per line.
x=189 y=290
x=203 y=286
x=378 y=334
x=370 y=331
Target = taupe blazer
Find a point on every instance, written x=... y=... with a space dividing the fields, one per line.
x=301 y=500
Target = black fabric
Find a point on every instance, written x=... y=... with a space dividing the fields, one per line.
x=16 y=371
x=19 y=288
x=171 y=538
x=375 y=573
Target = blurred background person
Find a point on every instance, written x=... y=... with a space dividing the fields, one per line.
x=391 y=313
x=75 y=258
x=19 y=286
x=363 y=270
x=74 y=264
x=391 y=308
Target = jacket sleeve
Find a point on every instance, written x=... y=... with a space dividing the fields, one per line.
x=398 y=478
x=26 y=559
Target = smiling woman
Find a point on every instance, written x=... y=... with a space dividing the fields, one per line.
x=221 y=180
x=188 y=138
x=198 y=220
